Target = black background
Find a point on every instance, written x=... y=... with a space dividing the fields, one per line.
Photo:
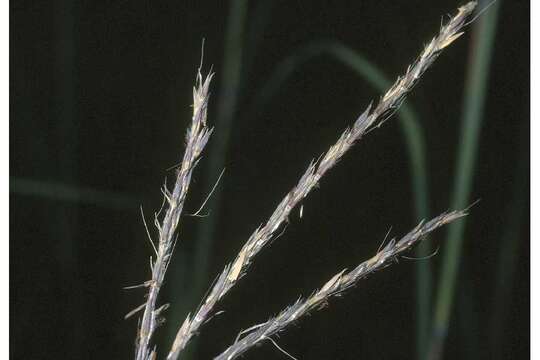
x=100 y=95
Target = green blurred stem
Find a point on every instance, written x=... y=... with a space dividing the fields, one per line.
x=510 y=246
x=71 y=193
x=260 y=17
x=473 y=109
x=414 y=141
x=468 y=319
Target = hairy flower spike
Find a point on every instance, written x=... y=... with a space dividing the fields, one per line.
x=196 y=138
x=334 y=287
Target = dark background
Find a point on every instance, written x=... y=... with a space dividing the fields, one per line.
x=99 y=104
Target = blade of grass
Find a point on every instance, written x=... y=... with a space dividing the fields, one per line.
x=71 y=193
x=414 y=141
x=510 y=247
x=66 y=132
x=260 y=17
x=468 y=319
x=473 y=109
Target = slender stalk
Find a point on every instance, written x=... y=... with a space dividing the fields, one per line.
x=68 y=193
x=65 y=143
x=510 y=246
x=196 y=139
x=468 y=321
x=334 y=287
x=473 y=107
x=369 y=120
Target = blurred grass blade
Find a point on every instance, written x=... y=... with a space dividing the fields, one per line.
x=510 y=246
x=473 y=111
x=260 y=17
x=414 y=140
x=468 y=319
x=70 y=193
